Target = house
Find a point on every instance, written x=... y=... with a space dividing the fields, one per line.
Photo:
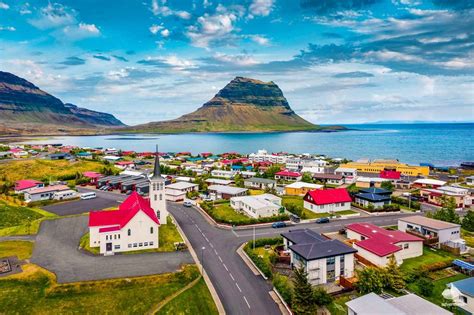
x=5 y=155
x=226 y=192
x=288 y=176
x=410 y=304
x=377 y=166
x=375 y=245
x=92 y=176
x=133 y=226
x=259 y=183
x=222 y=174
x=247 y=174
x=258 y=206
x=177 y=191
x=331 y=179
x=65 y=194
x=462 y=294
x=84 y=155
x=325 y=260
x=436 y=196
x=112 y=158
x=60 y=156
x=367 y=182
x=300 y=188
x=329 y=200
x=125 y=165
x=44 y=193
x=470 y=180
x=264 y=156
x=428 y=228
x=349 y=174
x=428 y=183
x=18 y=153
x=218 y=181
x=24 y=185
x=375 y=197
x=302 y=165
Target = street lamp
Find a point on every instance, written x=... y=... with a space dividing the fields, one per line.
x=202 y=259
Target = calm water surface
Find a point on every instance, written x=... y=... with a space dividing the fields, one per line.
x=441 y=144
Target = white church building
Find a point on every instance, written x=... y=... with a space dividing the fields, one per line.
x=135 y=225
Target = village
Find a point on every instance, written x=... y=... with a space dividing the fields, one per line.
x=363 y=236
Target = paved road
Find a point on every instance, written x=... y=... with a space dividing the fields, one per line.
x=239 y=289
x=56 y=249
x=103 y=200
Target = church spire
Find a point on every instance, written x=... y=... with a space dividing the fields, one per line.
x=156 y=170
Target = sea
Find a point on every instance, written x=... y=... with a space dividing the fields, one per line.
x=442 y=144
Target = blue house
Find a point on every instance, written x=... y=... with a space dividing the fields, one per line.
x=377 y=197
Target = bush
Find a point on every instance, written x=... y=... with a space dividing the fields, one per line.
x=404 y=202
x=435 y=266
x=259 y=262
x=265 y=241
x=321 y=297
x=392 y=207
x=283 y=286
x=425 y=286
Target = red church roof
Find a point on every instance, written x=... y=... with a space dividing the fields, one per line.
x=328 y=196
x=126 y=211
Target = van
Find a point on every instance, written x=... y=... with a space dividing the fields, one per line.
x=88 y=195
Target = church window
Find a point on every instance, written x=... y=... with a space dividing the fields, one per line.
x=129 y=232
x=155 y=197
x=161 y=197
x=151 y=230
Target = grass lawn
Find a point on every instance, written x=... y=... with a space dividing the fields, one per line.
x=19 y=220
x=254 y=192
x=46 y=169
x=195 y=300
x=35 y=291
x=225 y=213
x=345 y=212
x=168 y=235
x=338 y=306
x=312 y=215
x=296 y=200
x=21 y=249
x=429 y=257
x=468 y=237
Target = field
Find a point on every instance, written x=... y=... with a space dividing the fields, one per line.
x=18 y=220
x=429 y=257
x=35 y=291
x=45 y=170
x=21 y=249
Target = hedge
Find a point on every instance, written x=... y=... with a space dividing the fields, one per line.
x=259 y=262
x=281 y=283
x=404 y=202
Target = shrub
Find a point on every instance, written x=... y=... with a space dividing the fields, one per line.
x=259 y=262
x=435 y=266
x=425 y=286
x=283 y=286
x=322 y=297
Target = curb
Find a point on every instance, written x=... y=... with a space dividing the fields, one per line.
x=212 y=290
x=244 y=254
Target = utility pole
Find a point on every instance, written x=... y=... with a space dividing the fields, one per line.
x=254 y=238
x=202 y=259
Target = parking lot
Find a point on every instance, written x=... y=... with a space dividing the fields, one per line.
x=103 y=200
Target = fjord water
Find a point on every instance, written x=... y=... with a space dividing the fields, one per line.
x=441 y=144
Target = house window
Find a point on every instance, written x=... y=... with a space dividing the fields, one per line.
x=463 y=299
x=129 y=245
x=161 y=197
x=155 y=197
x=129 y=232
x=145 y=244
x=140 y=244
x=116 y=246
x=119 y=236
x=405 y=246
x=115 y=236
x=134 y=244
x=151 y=230
x=151 y=243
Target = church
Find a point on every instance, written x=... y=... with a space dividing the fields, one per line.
x=135 y=224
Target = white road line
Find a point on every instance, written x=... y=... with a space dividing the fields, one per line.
x=238 y=287
x=246 y=301
x=219 y=258
x=211 y=245
x=231 y=276
x=225 y=267
x=215 y=251
x=196 y=225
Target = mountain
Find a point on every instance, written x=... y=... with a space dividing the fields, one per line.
x=25 y=107
x=242 y=105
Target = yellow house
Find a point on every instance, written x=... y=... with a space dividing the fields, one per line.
x=379 y=165
x=300 y=188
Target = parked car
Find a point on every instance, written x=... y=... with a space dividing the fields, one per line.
x=279 y=224
x=187 y=204
x=295 y=218
x=322 y=220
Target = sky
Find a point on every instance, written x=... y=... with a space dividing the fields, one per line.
x=336 y=61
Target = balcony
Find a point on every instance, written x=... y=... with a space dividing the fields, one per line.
x=427 y=239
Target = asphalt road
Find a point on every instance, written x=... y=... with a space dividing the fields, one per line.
x=240 y=291
x=56 y=249
x=102 y=201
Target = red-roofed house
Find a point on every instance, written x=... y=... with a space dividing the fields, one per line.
x=288 y=176
x=328 y=200
x=389 y=174
x=92 y=176
x=25 y=185
x=133 y=226
x=125 y=165
x=376 y=244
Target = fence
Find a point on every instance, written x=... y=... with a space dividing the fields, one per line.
x=364 y=261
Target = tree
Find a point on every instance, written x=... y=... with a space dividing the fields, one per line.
x=239 y=180
x=468 y=221
x=303 y=299
x=307 y=178
x=448 y=211
x=321 y=297
x=388 y=185
x=371 y=279
x=394 y=275
x=271 y=170
x=425 y=286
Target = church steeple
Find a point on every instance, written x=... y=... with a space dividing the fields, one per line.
x=156 y=171
x=157 y=191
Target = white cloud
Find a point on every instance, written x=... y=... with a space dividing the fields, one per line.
x=164 y=10
x=210 y=28
x=240 y=60
x=165 y=33
x=53 y=16
x=261 y=7
x=261 y=40
x=4 y=6
x=179 y=63
x=7 y=28
x=154 y=29
x=81 y=31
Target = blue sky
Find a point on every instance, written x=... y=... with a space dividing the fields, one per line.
x=337 y=61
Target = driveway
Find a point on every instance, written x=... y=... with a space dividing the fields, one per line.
x=56 y=249
x=103 y=200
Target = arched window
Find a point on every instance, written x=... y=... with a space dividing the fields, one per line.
x=155 y=197
x=151 y=230
x=129 y=232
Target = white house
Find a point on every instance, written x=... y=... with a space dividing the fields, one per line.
x=259 y=183
x=430 y=228
x=258 y=206
x=264 y=156
x=305 y=165
x=462 y=294
x=65 y=194
x=349 y=174
x=44 y=193
x=133 y=226
x=222 y=174
x=218 y=181
x=177 y=191
x=376 y=244
x=226 y=192
x=325 y=260
x=470 y=180
x=25 y=185
x=328 y=200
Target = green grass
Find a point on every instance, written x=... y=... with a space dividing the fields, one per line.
x=254 y=192
x=21 y=249
x=196 y=300
x=167 y=235
x=468 y=237
x=429 y=257
x=345 y=212
x=296 y=200
x=35 y=291
x=225 y=212
x=307 y=214
x=19 y=220
x=338 y=306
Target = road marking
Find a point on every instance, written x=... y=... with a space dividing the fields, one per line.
x=235 y=233
x=219 y=258
x=231 y=276
x=211 y=245
x=225 y=267
x=238 y=287
x=246 y=301
x=215 y=251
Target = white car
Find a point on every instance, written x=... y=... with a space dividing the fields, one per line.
x=187 y=204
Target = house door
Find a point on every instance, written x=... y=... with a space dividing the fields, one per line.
x=108 y=247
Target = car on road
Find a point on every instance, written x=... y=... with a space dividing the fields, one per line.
x=294 y=218
x=88 y=195
x=278 y=225
x=187 y=204
x=322 y=220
